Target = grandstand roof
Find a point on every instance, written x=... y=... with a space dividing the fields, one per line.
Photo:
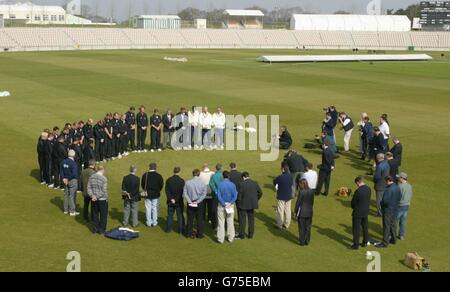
x=159 y=16
x=28 y=6
x=232 y=12
x=350 y=22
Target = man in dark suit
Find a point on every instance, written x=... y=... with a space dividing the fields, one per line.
x=297 y=166
x=389 y=207
x=397 y=151
x=393 y=165
x=248 y=196
x=236 y=178
x=361 y=207
x=304 y=209
x=168 y=129
x=174 y=192
x=325 y=169
x=131 y=197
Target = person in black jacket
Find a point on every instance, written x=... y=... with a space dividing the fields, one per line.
x=297 y=166
x=397 y=150
x=325 y=169
x=174 y=193
x=100 y=142
x=304 y=210
x=142 y=123
x=88 y=153
x=131 y=197
x=155 y=131
x=361 y=206
x=285 y=138
x=41 y=145
x=109 y=137
x=153 y=183
x=49 y=147
x=168 y=129
x=59 y=154
x=248 y=196
x=123 y=129
x=377 y=146
x=131 y=123
x=393 y=165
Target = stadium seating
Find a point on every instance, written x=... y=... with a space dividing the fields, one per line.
x=424 y=40
x=365 y=40
x=168 y=38
x=444 y=40
x=83 y=38
x=308 y=39
x=196 y=38
x=337 y=39
x=224 y=38
x=280 y=38
x=141 y=38
x=394 y=40
x=41 y=39
x=6 y=42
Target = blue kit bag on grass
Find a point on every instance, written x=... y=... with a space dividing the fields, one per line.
x=122 y=234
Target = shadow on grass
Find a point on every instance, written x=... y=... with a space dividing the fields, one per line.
x=36 y=174
x=334 y=235
x=59 y=202
x=270 y=224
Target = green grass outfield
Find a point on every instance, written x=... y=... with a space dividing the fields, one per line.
x=51 y=88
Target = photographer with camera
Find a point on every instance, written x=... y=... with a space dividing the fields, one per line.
x=347 y=126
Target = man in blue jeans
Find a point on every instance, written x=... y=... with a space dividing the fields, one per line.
x=152 y=182
x=405 y=202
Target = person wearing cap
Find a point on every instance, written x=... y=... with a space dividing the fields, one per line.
x=131 y=197
x=85 y=175
x=389 y=208
x=405 y=201
x=97 y=189
x=70 y=176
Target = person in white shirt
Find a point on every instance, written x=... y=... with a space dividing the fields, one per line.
x=193 y=118
x=219 y=128
x=347 y=126
x=385 y=130
x=310 y=176
x=206 y=122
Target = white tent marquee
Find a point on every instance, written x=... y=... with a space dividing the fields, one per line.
x=316 y=22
